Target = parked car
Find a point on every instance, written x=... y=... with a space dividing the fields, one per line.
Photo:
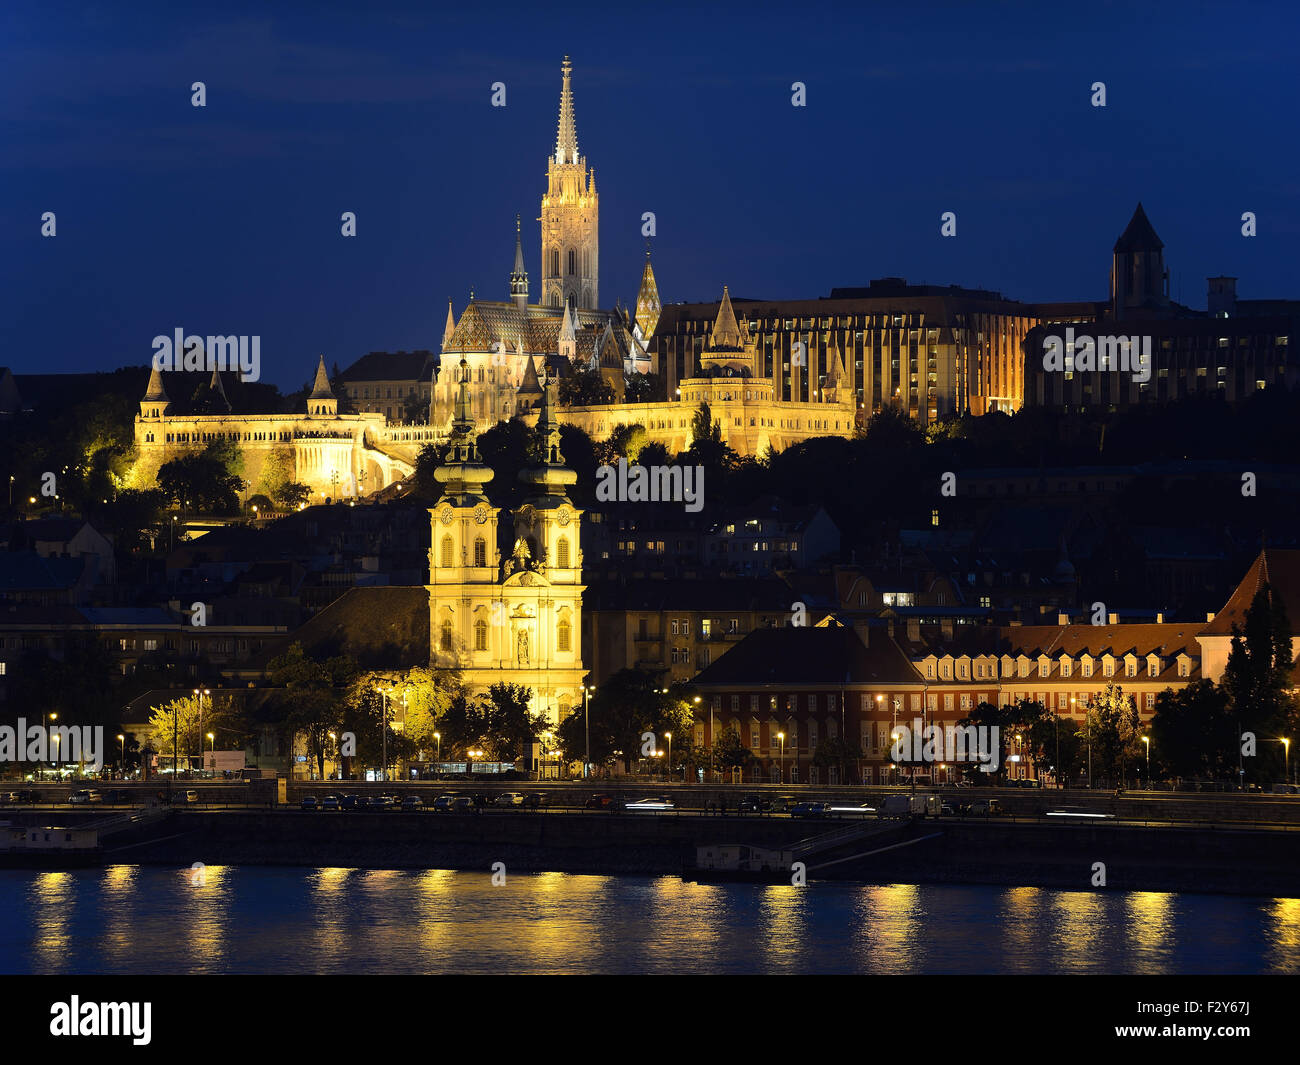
x=782 y=804
x=309 y=803
x=463 y=804
x=599 y=802
x=412 y=803
x=509 y=798
x=985 y=808
x=810 y=808
x=443 y=803
x=95 y=796
x=9 y=796
x=946 y=810
x=351 y=802
x=535 y=800
x=755 y=804
x=380 y=803
x=330 y=802
x=191 y=796
x=79 y=797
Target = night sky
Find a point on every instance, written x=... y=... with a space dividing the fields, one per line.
x=225 y=219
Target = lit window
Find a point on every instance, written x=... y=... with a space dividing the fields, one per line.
x=562 y=635
x=447 y=552
x=480 y=635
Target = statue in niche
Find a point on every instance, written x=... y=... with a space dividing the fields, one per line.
x=522 y=645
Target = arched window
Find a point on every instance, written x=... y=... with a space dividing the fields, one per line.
x=445 y=638
x=480 y=552
x=447 y=552
x=570 y=262
x=480 y=634
x=555 y=262
x=562 y=635
x=563 y=553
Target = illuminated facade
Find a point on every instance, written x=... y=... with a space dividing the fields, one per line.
x=335 y=455
x=512 y=616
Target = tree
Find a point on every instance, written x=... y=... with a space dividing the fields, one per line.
x=585 y=388
x=292 y=495
x=1194 y=733
x=415 y=411
x=312 y=697
x=730 y=751
x=707 y=446
x=182 y=725
x=1113 y=729
x=643 y=388
x=626 y=441
x=509 y=725
x=202 y=481
x=1257 y=679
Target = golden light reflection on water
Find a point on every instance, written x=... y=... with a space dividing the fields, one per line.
x=783 y=928
x=53 y=898
x=1283 y=920
x=1149 y=929
x=1077 y=938
x=329 y=898
x=207 y=890
x=890 y=930
x=118 y=890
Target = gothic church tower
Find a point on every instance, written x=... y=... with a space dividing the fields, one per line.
x=570 y=218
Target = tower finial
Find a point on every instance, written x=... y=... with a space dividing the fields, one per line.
x=566 y=141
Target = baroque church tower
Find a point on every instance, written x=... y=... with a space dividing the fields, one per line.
x=518 y=619
x=570 y=218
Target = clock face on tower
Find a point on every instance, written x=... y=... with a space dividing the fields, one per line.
x=480 y=514
x=446 y=516
x=564 y=516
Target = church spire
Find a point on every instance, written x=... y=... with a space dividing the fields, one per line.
x=519 y=276
x=549 y=478
x=566 y=140
x=463 y=474
x=647 y=301
x=449 y=328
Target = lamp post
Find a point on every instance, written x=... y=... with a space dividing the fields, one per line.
x=199 y=696
x=212 y=746
x=1286 y=759
x=586 y=729
x=781 y=736
x=383 y=695
x=50 y=715
x=1147 y=740
x=437 y=736
x=697 y=703
x=670 y=754
x=122 y=740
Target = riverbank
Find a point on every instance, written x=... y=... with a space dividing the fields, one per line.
x=1204 y=859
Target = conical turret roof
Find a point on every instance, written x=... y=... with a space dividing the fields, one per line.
x=726 y=333
x=1140 y=235
x=320 y=389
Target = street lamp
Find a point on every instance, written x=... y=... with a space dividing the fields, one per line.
x=383 y=696
x=1147 y=740
x=212 y=746
x=199 y=696
x=781 y=776
x=438 y=737
x=586 y=728
x=50 y=716
x=1286 y=758
x=670 y=754
x=697 y=703
x=122 y=740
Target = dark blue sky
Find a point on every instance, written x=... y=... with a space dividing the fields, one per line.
x=226 y=219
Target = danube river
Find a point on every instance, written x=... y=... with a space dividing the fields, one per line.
x=133 y=919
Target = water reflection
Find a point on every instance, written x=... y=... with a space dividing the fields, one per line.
x=337 y=920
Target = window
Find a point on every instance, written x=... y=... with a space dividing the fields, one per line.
x=447 y=552
x=480 y=635
x=676 y=628
x=571 y=262
x=563 y=635
x=753 y=736
x=562 y=553
x=480 y=551
x=1087 y=668
x=445 y=638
